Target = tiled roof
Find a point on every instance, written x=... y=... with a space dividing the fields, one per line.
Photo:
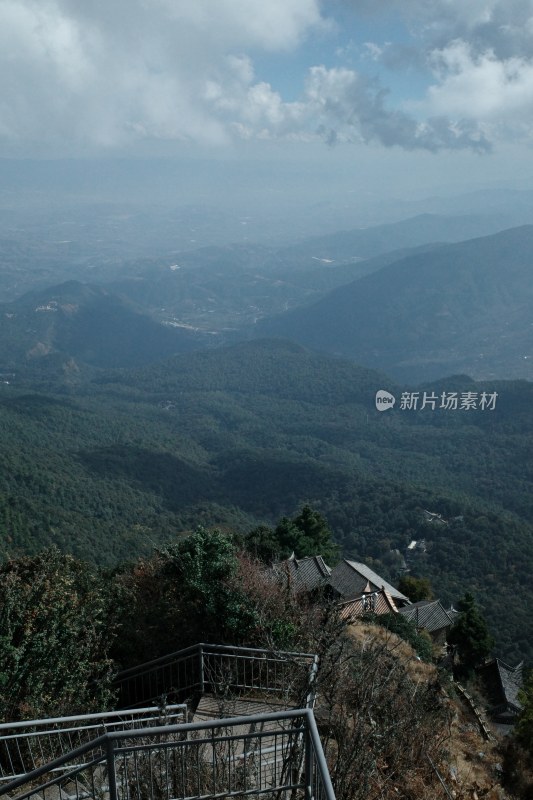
x=502 y=684
x=511 y=679
x=378 y=602
x=428 y=614
x=304 y=574
x=351 y=578
x=453 y=613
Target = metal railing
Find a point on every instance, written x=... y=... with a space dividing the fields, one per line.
x=25 y=746
x=266 y=754
x=217 y=668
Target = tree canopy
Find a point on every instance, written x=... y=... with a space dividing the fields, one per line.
x=56 y=628
x=415 y=589
x=306 y=534
x=524 y=726
x=470 y=634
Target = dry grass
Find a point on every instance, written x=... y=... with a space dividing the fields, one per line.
x=472 y=760
x=471 y=766
x=418 y=670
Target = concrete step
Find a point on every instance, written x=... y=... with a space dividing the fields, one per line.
x=257 y=751
x=211 y=707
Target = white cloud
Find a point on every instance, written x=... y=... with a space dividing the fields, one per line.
x=481 y=85
x=375 y=51
x=273 y=25
x=479 y=56
x=488 y=21
x=338 y=105
x=108 y=73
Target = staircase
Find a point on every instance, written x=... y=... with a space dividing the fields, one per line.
x=221 y=670
x=253 y=732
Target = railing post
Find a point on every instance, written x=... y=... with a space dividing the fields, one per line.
x=201 y=660
x=309 y=765
x=111 y=774
x=311 y=696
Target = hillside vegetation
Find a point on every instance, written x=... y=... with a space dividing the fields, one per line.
x=389 y=722
x=106 y=467
x=460 y=308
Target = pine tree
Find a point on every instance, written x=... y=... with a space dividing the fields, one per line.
x=307 y=534
x=415 y=588
x=524 y=726
x=471 y=634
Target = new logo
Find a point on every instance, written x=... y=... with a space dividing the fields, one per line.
x=384 y=400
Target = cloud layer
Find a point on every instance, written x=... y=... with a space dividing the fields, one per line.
x=480 y=56
x=108 y=74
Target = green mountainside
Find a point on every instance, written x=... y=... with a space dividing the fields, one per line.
x=126 y=459
x=86 y=323
x=458 y=308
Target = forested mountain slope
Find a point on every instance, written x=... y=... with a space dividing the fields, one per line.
x=249 y=433
x=87 y=323
x=462 y=307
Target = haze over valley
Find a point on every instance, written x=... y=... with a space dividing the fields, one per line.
x=224 y=229
x=212 y=386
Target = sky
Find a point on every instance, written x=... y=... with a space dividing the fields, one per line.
x=413 y=93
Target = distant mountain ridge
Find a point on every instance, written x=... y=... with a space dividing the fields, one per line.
x=462 y=307
x=414 y=231
x=87 y=323
x=417 y=313
x=227 y=287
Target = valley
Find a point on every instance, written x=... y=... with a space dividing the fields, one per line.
x=228 y=385
x=266 y=382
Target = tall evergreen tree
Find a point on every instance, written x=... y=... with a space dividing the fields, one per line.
x=471 y=634
x=314 y=535
x=416 y=589
x=524 y=726
x=306 y=534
